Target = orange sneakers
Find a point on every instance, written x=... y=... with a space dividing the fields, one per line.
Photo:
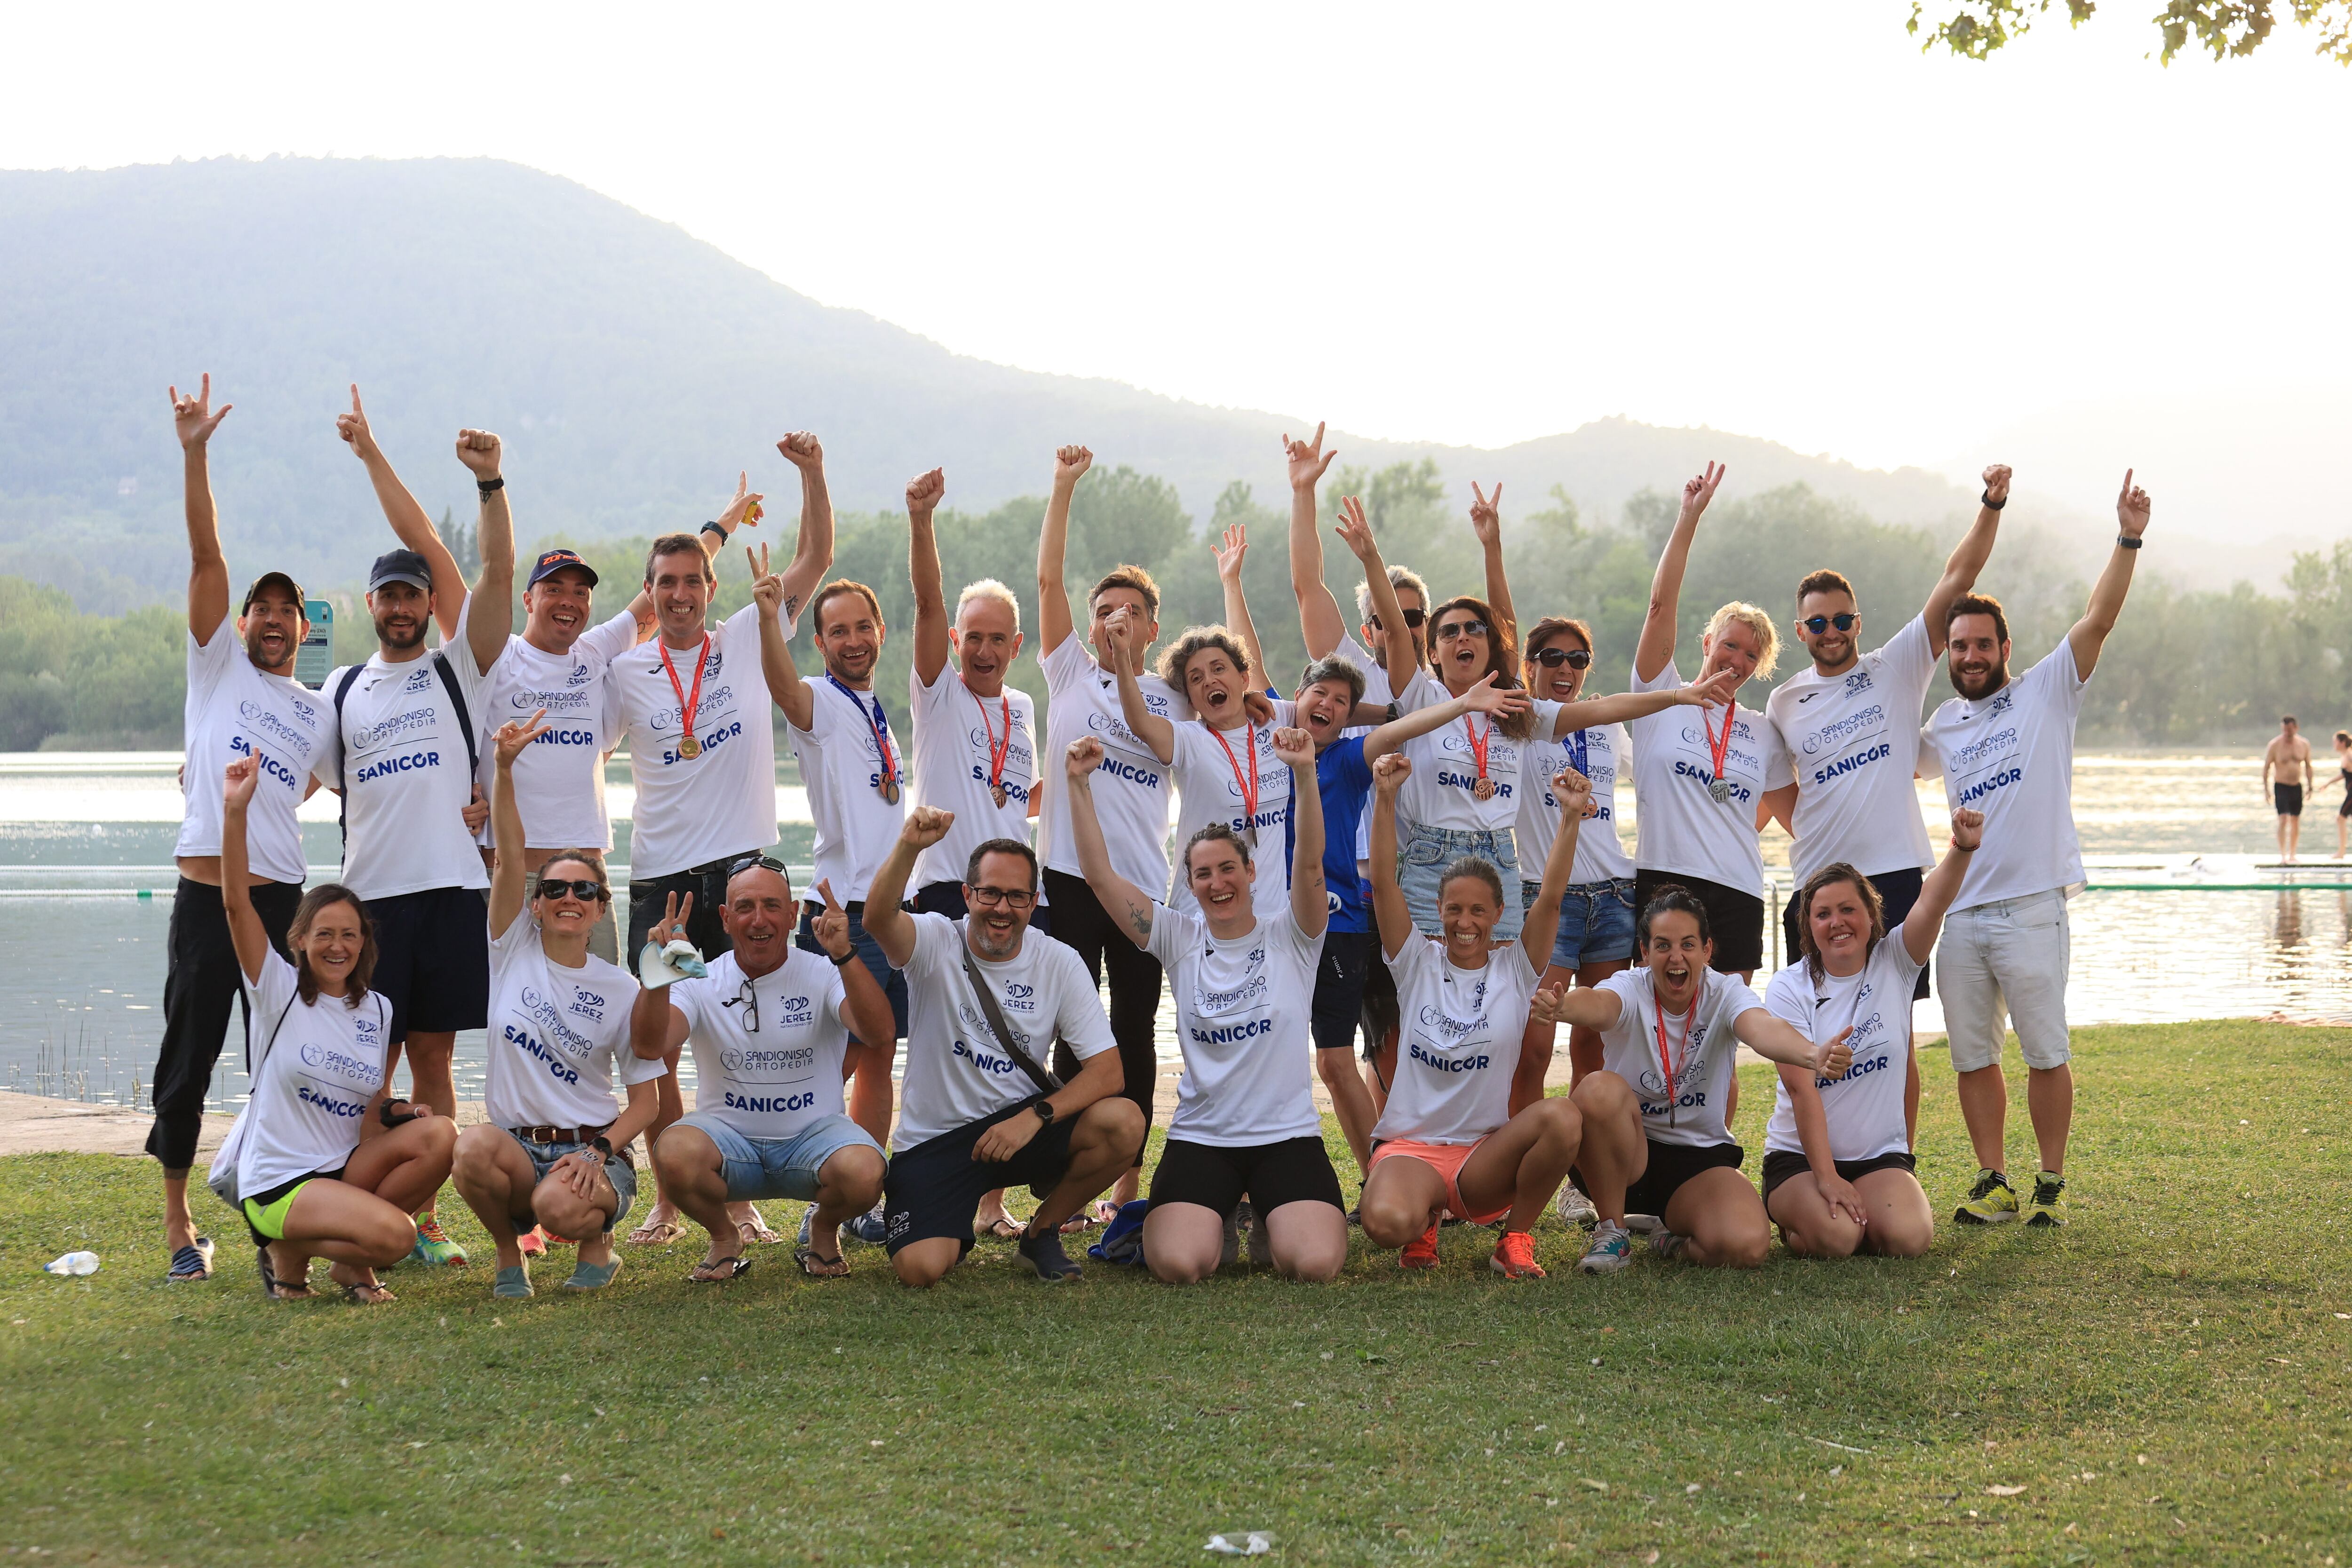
x=1515 y=1257
x=1422 y=1254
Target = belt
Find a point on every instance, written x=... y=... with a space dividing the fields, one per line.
x=559 y=1134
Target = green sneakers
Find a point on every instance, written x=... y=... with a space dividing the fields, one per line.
x=2048 y=1192
x=1992 y=1201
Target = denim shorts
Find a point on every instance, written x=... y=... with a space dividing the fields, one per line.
x=543 y=1156
x=1424 y=854
x=778 y=1167
x=1596 y=921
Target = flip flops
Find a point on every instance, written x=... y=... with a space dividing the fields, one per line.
x=657 y=1233
x=720 y=1270
x=818 y=1268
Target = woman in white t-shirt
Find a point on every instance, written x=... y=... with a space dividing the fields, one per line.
x=555 y=1151
x=1838 y=1169
x=325 y=1165
x=1245 y=1121
x=1446 y=1141
x=1657 y=1151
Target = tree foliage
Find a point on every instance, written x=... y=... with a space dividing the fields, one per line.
x=2226 y=29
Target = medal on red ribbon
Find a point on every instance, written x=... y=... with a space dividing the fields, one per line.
x=1484 y=788
x=997 y=753
x=1665 y=1056
x=1719 y=788
x=687 y=746
x=1245 y=779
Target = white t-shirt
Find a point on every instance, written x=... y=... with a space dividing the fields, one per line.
x=2012 y=758
x=1848 y=744
x=1460 y=1046
x=1133 y=790
x=1864 y=1106
x=1209 y=766
x=775 y=1081
x=1600 y=855
x=842 y=763
x=555 y=1036
x=235 y=711
x=559 y=777
x=1681 y=829
x=314 y=1074
x=723 y=802
x=400 y=761
x=956 y=1072
x=957 y=739
x=1441 y=790
x=1244 y=1018
x=1419 y=692
x=1704 y=1059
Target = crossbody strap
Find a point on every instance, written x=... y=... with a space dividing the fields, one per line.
x=343 y=747
x=249 y=1069
x=449 y=673
x=996 y=1026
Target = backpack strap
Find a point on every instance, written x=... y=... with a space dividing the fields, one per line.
x=344 y=796
x=449 y=673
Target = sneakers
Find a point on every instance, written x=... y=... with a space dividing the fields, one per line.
x=1612 y=1248
x=1990 y=1202
x=1515 y=1257
x=434 y=1247
x=1421 y=1253
x=1665 y=1243
x=1045 y=1253
x=868 y=1227
x=1574 y=1208
x=531 y=1242
x=2048 y=1191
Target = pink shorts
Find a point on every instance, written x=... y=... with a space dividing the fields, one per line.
x=1446 y=1159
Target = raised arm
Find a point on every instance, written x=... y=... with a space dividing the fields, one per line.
x=864 y=1002
x=1941 y=886
x=923 y=493
x=1968 y=556
x=813 y=552
x=1486 y=523
x=1574 y=792
x=409 y=522
x=1388 y=908
x=1121 y=632
x=506 y=879
x=656 y=1028
x=892 y=928
x=2090 y=633
x=194 y=420
x=1130 y=906
x=1310 y=904
x=1656 y=649
x=1495 y=701
x=742 y=512
x=1070 y=465
x=1776 y=1040
x=247 y=934
x=491 y=620
x=1586 y=1007
x=1229 y=553
x=1357 y=533
x=785 y=687
x=1319 y=621
x=1627 y=706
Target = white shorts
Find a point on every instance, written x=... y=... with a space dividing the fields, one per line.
x=2003 y=964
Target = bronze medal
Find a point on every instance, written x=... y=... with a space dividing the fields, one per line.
x=889 y=787
x=1483 y=789
x=688 y=747
x=996 y=793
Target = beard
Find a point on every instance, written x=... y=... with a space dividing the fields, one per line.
x=402 y=641
x=986 y=943
x=1976 y=685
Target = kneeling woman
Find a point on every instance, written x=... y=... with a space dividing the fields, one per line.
x=324 y=1164
x=1245 y=1121
x=1654 y=1139
x=1837 y=1155
x=555 y=1150
x=1446 y=1141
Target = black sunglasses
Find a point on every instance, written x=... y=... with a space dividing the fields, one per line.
x=1553 y=658
x=582 y=889
x=1413 y=619
x=1453 y=630
x=1845 y=620
x=763 y=862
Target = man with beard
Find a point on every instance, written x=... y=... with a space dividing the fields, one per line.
x=242 y=701
x=981 y=1111
x=2006 y=748
x=403 y=751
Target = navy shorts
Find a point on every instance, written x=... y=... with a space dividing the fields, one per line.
x=1596 y=921
x=1780 y=1165
x=934 y=1188
x=432 y=960
x=1339 y=987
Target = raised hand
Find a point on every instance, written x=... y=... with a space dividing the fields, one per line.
x=1996 y=482
x=1487 y=513
x=831 y=928
x=744 y=510
x=1831 y=1061
x=475 y=811
x=1070 y=463
x=1354 y=531
x=514 y=735
x=1574 y=793
x=1699 y=490
x=353 y=428
x=926 y=825
x=1295 y=747
x=237 y=782
x=195 y=419
x=803 y=450
x=1389 y=772
x=1717 y=686
x=1495 y=701
x=671 y=927
x=1967 y=828
x=1308 y=460
x=767 y=587
x=1120 y=630
x=924 y=490
x=2132 y=507
x=1229 y=553
x=479 y=451
x=1257 y=707
x=1084 y=756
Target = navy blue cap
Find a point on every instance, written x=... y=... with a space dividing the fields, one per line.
x=400 y=566
x=551 y=562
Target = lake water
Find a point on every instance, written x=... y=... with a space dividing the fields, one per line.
x=2182 y=920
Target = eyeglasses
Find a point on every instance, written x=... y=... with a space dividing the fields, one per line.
x=1845 y=620
x=1413 y=619
x=1553 y=658
x=749 y=998
x=586 y=891
x=1010 y=898
x=1452 y=630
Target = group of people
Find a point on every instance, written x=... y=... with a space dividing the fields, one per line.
x=1436 y=791
x=2287 y=779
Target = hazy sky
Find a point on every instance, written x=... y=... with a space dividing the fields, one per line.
x=1475 y=226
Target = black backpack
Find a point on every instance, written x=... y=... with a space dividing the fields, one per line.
x=456 y=703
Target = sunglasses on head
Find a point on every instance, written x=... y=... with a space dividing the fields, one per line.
x=1453 y=630
x=763 y=862
x=1845 y=620
x=1553 y=658
x=582 y=889
x=1413 y=619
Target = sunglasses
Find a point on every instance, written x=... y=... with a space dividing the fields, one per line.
x=1845 y=620
x=586 y=891
x=1553 y=658
x=1413 y=619
x=1011 y=898
x=762 y=862
x=1453 y=630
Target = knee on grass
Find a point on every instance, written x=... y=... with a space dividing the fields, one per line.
x=925 y=1264
x=1740 y=1247
x=1830 y=1237
x=1900 y=1239
x=1390 y=1221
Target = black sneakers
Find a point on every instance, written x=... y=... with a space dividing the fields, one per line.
x=1045 y=1254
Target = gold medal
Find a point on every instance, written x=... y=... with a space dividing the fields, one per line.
x=688 y=747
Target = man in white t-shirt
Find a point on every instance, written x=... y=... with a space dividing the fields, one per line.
x=242 y=701
x=2006 y=748
x=976 y=1115
x=402 y=751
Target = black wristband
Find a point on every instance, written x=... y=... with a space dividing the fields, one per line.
x=845 y=960
x=2128 y=543
x=491 y=486
x=714 y=528
x=1992 y=505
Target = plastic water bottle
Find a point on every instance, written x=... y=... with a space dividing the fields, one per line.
x=73 y=1263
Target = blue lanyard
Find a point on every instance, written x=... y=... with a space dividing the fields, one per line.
x=1576 y=752
x=875 y=716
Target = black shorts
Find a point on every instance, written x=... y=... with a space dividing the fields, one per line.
x=432 y=960
x=1897 y=892
x=2288 y=798
x=934 y=1188
x=1780 y=1165
x=946 y=899
x=1295 y=1171
x=1672 y=1164
x=1348 y=958
x=1735 y=920
x=1380 y=1002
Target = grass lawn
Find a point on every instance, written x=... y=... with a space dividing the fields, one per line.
x=2167 y=1379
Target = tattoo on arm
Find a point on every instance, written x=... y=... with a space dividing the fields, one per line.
x=1138 y=916
x=791 y=605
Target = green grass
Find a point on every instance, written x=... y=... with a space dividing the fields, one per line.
x=2167 y=1379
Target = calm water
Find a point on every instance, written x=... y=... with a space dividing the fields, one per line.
x=2165 y=932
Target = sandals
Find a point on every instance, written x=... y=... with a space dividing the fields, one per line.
x=718 y=1270
x=1102 y=1210
x=755 y=1229
x=1005 y=1227
x=815 y=1267
x=192 y=1263
x=657 y=1232
x=368 y=1295
x=276 y=1288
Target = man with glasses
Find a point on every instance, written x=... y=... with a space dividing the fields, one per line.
x=770 y=1025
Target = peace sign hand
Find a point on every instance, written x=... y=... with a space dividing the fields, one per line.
x=2132 y=507
x=1308 y=460
x=1230 y=552
x=831 y=928
x=671 y=927
x=1831 y=1061
x=1487 y=513
x=1699 y=490
x=924 y=490
x=767 y=587
x=193 y=419
x=514 y=735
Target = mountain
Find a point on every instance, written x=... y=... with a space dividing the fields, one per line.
x=631 y=368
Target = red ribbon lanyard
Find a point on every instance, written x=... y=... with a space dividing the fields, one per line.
x=1245 y=779
x=686 y=704
x=1665 y=1056
x=996 y=754
x=1717 y=747
x=1478 y=742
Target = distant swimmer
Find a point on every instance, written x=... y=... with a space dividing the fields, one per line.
x=2286 y=774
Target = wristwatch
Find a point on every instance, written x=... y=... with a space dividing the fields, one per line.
x=601 y=1144
x=490 y=486
x=2128 y=543
x=1044 y=1110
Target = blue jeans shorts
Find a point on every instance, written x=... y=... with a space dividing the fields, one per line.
x=1596 y=921
x=778 y=1167
x=543 y=1156
x=1425 y=852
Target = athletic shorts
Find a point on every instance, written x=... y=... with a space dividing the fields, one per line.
x=1446 y=1159
x=432 y=960
x=1294 y=1171
x=934 y=1188
x=1672 y=1164
x=1735 y=920
x=1596 y=921
x=778 y=1167
x=2288 y=798
x=2345 y=809
x=1348 y=958
x=265 y=1213
x=543 y=1156
x=1897 y=892
x=1780 y=1165
x=1380 y=1018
